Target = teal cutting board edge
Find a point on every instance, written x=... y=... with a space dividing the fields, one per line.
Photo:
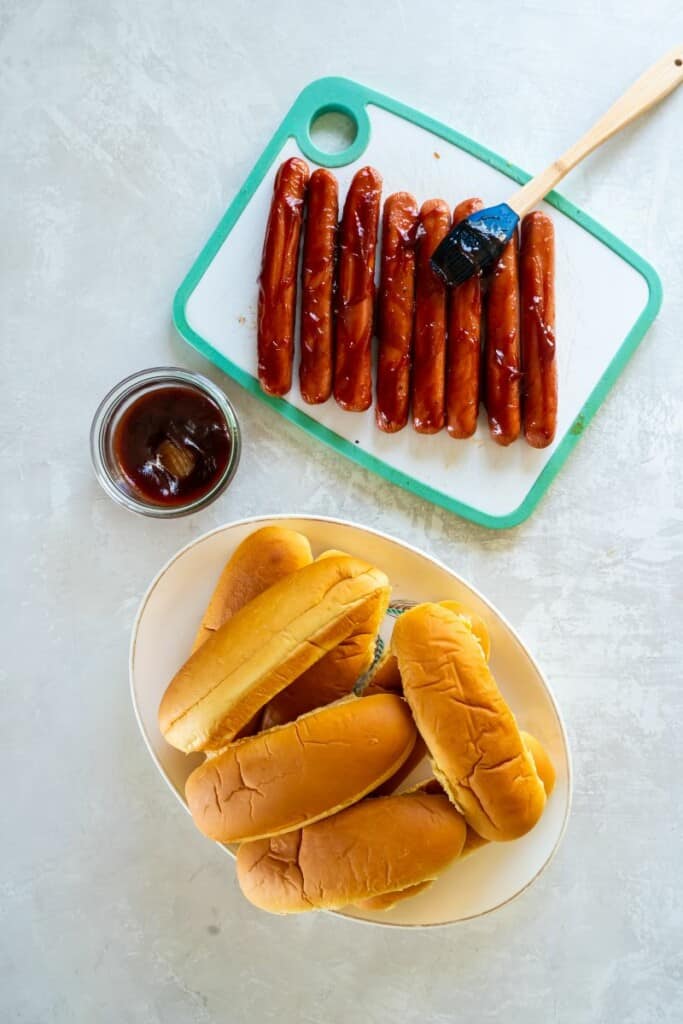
x=352 y=98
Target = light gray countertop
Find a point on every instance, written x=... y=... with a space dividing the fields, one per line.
x=125 y=130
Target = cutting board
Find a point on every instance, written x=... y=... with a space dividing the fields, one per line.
x=597 y=327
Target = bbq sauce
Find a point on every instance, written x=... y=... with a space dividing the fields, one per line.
x=172 y=445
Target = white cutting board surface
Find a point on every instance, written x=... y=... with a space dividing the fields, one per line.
x=597 y=326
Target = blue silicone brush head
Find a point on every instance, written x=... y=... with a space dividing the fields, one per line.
x=475 y=243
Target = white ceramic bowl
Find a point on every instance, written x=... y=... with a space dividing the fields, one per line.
x=172 y=609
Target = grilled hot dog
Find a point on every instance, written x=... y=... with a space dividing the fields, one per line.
x=537 y=274
x=356 y=292
x=464 y=346
x=429 y=343
x=503 y=370
x=277 y=283
x=396 y=301
x=317 y=284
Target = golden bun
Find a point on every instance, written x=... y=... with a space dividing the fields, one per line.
x=417 y=754
x=374 y=847
x=389 y=899
x=263 y=558
x=301 y=772
x=476 y=749
x=473 y=841
x=475 y=623
x=335 y=675
x=542 y=763
x=386 y=677
x=264 y=646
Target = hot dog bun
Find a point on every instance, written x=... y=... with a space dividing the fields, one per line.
x=386 y=676
x=477 y=752
x=334 y=676
x=473 y=841
x=377 y=846
x=301 y=772
x=263 y=647
x=475 y=623
x=546 y=773
x=389 y=899
x=266 y=556
x=544 y=766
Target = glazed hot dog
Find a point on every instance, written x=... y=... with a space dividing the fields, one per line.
x=464 y=346
x=502 y=357
x=277 y=283
x=356 y=292
x=429 y=342
x=396 y=303
x=537 y=297
x=317 y=284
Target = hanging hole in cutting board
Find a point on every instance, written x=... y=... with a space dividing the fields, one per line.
x=335 y=134
x=333 y=131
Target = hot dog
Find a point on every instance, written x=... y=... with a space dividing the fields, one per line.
x=502 y=356
x=429 y=343
x=277 y=283
x=464 y=346
x=317 y=284
x=356 y=292
x=537 y=297
x=396 y=301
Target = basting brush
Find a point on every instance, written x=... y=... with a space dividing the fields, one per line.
x=479 y=240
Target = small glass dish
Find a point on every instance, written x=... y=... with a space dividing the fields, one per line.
x=109 y=413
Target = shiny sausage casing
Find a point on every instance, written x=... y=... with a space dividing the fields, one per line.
x=502 y=355
x=463 y=367
x=537 y=324
x=356 y=292
x=317 y=287
x=277 y=283
x=395 y=312
x=429 y=337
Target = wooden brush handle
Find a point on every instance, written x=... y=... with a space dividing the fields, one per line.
x=649 y=89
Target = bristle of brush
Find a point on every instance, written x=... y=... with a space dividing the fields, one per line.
x=474 y=243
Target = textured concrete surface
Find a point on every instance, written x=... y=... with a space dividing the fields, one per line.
x=125 y=129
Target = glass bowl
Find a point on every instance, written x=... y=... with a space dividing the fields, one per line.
x=114 y=405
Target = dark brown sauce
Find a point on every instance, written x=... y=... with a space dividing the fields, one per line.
x=172 y=445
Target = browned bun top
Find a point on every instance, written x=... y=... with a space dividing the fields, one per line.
x=263 y=647
x=374 y=847
x=389 y=899
x=335 y=674
x=263 y=558
x=298 y=773
x=475 y=622
x=386 y=677
x=544 y=766
x=392 y=784
x=477 y=752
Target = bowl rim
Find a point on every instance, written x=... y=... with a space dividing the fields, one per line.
x=336 y=521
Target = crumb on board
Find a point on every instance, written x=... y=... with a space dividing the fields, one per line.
x=437 y=156
x=241 y=319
